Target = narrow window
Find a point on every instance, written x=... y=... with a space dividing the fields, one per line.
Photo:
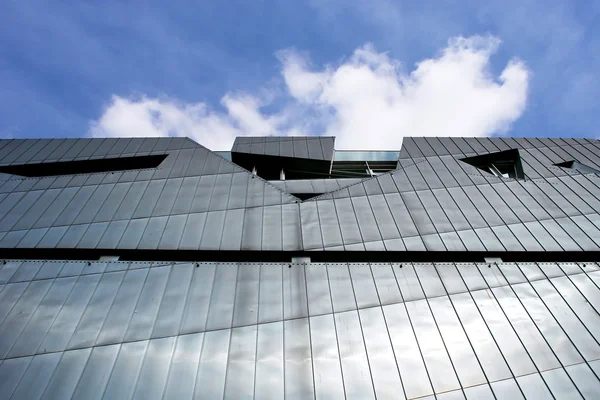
x=84 y=166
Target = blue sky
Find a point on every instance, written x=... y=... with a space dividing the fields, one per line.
x=213 y=70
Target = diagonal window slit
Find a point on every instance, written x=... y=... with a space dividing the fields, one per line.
x=84 y=166
x=503 y=164
x=576 y=165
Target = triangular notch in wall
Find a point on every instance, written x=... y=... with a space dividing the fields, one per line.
x=306 y=196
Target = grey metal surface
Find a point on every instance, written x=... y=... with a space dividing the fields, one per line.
x=245 y=330
x=313 y=148
x=432 y=202
x=118 y=329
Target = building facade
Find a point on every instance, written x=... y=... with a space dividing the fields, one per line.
x=154 y=268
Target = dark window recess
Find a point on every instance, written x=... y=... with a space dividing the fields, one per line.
x=576 y=165
x=247 y=256
x=84 y=166
x=305 y=196
x=505 y=164
x=361 y=169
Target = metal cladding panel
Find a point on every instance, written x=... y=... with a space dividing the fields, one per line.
x=450 y=203
x=313 y=148
x=247 y=330
x=302 y=330
x=271 y=330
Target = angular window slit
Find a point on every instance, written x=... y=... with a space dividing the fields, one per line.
x=503 y=164
x=576 y=165
x=84 y=166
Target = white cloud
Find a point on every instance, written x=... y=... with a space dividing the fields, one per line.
x=303 y=85
x=367 y=101
x=143 y=116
